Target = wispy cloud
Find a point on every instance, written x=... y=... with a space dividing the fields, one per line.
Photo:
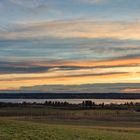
x=71 y=68
x=17 y=81
x=32 y=6
x=99 y=43
x=69 y=72
x=86 y=88
x=92 y=1
x=28 y=3
x=74 y=29
x=36 y=3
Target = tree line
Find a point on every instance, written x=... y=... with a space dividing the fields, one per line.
x=87 y=104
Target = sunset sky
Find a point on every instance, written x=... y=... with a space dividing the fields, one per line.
x=70 y=46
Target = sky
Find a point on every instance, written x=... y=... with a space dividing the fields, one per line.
x=70 y=46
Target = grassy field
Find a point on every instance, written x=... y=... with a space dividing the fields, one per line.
x=55 y=124
x=23 y=130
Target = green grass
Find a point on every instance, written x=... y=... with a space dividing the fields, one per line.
x=25 y=130
x=31 y=123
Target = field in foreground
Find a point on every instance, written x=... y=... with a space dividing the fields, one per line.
x=54 y=124
x=23 y=130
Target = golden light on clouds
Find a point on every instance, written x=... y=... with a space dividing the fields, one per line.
x=69 y=42
x=102 y=72
x=131 y=90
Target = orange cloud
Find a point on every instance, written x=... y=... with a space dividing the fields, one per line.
x=126 y=71
x=133 y=90
x=111 y=78
x=116 y=62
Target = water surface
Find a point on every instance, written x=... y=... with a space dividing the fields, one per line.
x=74 y=101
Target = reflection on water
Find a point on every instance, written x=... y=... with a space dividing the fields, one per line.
x=74 y=101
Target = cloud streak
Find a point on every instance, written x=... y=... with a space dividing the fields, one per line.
x=43 y=43
x=92 y=1
x=27 y=3
x=74 y=29
x=69 y=72
x=118 y=65
x=86 y=88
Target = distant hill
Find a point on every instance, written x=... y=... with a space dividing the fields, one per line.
x=69 y=95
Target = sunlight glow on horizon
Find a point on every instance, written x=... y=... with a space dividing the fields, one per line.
x=43 y=43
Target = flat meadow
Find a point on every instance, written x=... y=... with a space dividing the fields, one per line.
x=34 y=123
x=22 y=130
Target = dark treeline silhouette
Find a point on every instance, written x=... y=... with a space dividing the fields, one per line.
x=87 y=104
x=57 y=103
x=126 y=106
x=69 y=96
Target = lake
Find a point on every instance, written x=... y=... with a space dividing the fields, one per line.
x=74 y=101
